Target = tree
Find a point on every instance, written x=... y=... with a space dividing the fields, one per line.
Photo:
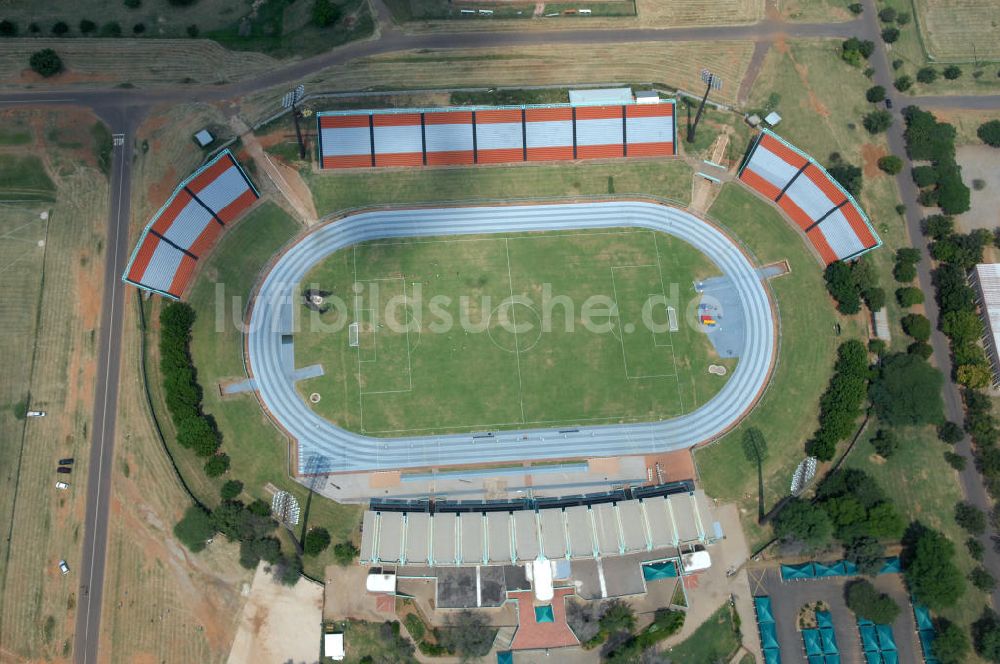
x=139 y=28
x=982 y=580
x=195 y=528
x=325 y=13
x=938 y=226
x=60 y=28
x=848 y=175
x=802 y=521
x=907 y=391
x=287 y=570
x=904 y=272
x=956 y=461
x=890 y=164
x=87 y=26
x=842 y=286
x=192 y=31
x=953 y=196
x=962 y=327
x=976 y=376
x=950 y=433
x=867 y=602
x=856 y=8
x=929 y=568
x=231 y=489
x=970 y=517
x=264 y=548
x=975 y=547
x=111 y=29
x=889 y=35
x=468 y=634
x=921 y=349
x=46 y=62
x=885 y=443
x=8 y=28
x=867 y=553
x=217 y=465
x=887 y=15
x=924 y=176
x=345 y=553
x=902 y=18
x=903 y=83
x=875 y=94
x=316 y=541
x=986 y=635
x=926 y=138
x=132 y=4
x=909 y=296
x=950 y=645
x=951 y=72
x=989 y=133
x=917 y=326
x=927 y=74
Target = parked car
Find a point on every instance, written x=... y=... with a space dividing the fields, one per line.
x=888 y=103
x=62 y=485
x=68 y=461
x=64 y=470
x=63 y=567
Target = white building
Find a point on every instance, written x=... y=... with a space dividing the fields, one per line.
x=986 y=281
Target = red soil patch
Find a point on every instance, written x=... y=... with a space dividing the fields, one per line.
x=673 y=466
x=160 y=191
x=870 y=154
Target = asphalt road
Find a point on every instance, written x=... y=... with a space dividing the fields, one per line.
x=123 y=110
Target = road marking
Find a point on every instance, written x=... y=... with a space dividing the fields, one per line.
x=104 y=412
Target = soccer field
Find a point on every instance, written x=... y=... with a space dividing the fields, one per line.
x=507 y=331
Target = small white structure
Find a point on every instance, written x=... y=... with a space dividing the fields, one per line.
x=203 y=138
x=647 y=97
x=880 y=320
x=541 y=579
x=36 y=413
x=772 y=119
x=696 y=562
x=333 y=646
x=753 y=120
x=381 y=582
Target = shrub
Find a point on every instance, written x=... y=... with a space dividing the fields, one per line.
x=900 y=209
x=877 y=347
x=867 y=602
x=195 y=528
x=956 y=461
x=907 y=391
x=986 y=635
x=288 y=569
x=46 y=62
x=909 y=296
x=325 y=13
x=87 y=26
x=889 y=35
x=970 y=517
x=8 y=28
x=855 y=8
x=875 y=94
x=978 y=184
x=468 y=634
x=60 y=28
x=950 y=644
x=885 y=443
x=231 y=489
x=982 y=579
x=989 y=133
x=111 y=29
x=951 y=72
x=890 y=164
x=217 y=465
x=316 y=541
x=917 y=326
x=902 y=18
x=927 y=74
x=929 y=568
x=848 y=175
x=903 y=83
x=897 y=63
x=877 y=121
x=345 y=553
x=975 y=548
x=921 y=349
x=950 y=433
x=415 y=626
x=924 y=176
x=887 y=15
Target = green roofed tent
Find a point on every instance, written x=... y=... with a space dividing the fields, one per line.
x=811 y=641
x=543 y=614
x=815 y=659
x=891 y=566
x=763 y=607
x=657 y=571
x=772 y=656
x=873 y=657
x=768 y=636
x=794 y=572
x=890 y=657
x=824 y=619
x=828 y=641
x=831 y=659
x=822 y=570
x=923 y=617
x=885 y=638
x=926 y=641
x=505 y=657
x=869 y=638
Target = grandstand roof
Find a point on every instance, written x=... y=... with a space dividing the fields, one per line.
x=824 y=211
x=578 y=531
x=186 y=227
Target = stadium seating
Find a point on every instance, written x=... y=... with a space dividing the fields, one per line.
x=188 y=224
x=830 y=217
x=494 y=135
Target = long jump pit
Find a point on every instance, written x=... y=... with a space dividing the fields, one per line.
x=386 y=391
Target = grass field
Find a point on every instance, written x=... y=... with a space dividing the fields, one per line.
x=959 y=30
x=340 y=191
x=475 y=369
x=50 y=289
x=714 y=641
x=23 y=178
x=820 y=11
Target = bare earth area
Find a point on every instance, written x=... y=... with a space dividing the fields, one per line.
x=981 y=162
x=279 y=624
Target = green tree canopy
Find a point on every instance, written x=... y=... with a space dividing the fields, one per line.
x=802 y=521
x=989 y=133
x=195 y=528
x=316 y=541
x=907 y=391
x=867 y=602
x=929 y=568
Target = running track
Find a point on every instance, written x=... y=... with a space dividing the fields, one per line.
x=324 y=447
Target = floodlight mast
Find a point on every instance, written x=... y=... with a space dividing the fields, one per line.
x=290 y=99
x=711 y=81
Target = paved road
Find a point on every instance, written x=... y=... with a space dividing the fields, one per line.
x=123 y=110
x=325 y=445
x=972 y=483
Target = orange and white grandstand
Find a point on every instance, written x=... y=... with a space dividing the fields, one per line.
x=494 y=135
x=831 y=219
x=187 y=226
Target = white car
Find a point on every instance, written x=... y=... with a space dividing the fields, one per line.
x=62 y=485
x=63 y=567
x=36 y=413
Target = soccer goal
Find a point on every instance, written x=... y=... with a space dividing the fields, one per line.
x=352 y=335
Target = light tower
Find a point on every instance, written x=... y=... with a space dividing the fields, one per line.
x=712 y=82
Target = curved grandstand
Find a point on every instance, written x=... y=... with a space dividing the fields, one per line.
x=324 y=447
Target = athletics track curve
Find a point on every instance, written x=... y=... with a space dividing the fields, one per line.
x=325 y=448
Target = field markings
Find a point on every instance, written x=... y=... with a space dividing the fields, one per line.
x=659 y=268
x=517 y=350
x=622 y=331
x=361 y=408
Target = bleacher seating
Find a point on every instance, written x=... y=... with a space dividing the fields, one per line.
x=494 y=135
x=829 y=216
x=187 y=226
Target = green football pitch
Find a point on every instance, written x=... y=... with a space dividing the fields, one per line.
x=472 y=333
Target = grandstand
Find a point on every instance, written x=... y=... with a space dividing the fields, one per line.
x=494 y=135
x=188 y=224
x=831 y=219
